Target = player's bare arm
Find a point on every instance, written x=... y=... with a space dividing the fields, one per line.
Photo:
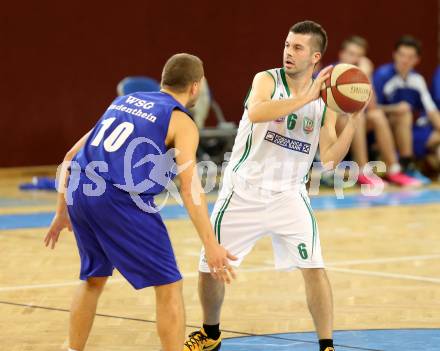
x=333 y=148
x=184 y=136
x=263 y=109
x=434 y=117
x=61 y=219
x=366 y=66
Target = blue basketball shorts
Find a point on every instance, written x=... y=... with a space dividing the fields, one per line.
x=421 y=135
x=112 y=232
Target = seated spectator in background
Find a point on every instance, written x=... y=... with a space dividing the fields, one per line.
x=436 y=97
x=403 y=95
x=436 y=87
x=353 y=51
x=200 y=111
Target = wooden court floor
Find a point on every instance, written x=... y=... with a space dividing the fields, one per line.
x=383 y=263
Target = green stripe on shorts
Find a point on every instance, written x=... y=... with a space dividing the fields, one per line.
x=219 y=217
x=312 y=216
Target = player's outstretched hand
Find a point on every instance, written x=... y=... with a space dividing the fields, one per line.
x=314 y=91
x=218 y=261
x=59 y=222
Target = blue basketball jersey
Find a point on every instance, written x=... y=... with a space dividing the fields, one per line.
x=436 y=87
x=127 y=145
x=391 y=88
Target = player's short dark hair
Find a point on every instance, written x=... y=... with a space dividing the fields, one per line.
x=180 y=71
x=357 y=40
x=318 y=33
x=408 y=40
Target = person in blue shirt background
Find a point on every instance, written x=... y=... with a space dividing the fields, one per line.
x=353 y=51
x=403 y=94
x=435 y=90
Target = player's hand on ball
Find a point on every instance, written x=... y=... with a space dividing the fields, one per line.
x=314 y=91
x=218 y=261
x=361 y=113
x=59 y=222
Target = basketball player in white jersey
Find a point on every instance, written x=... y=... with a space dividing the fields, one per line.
x=263 y=190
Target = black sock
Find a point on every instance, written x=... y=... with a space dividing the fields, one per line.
x=324 y=343
x=407 y=163
x=213 y=331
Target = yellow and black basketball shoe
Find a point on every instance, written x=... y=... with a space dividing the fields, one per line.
x=199 y=341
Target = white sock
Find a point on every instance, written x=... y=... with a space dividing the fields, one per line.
x=394 y=168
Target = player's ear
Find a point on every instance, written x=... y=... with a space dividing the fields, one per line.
x=316 y=57
x=194 y=88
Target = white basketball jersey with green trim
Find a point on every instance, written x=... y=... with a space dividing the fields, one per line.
x=277 y=155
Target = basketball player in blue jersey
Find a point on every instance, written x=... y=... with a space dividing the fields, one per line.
x=283 y=122
x=111 y=203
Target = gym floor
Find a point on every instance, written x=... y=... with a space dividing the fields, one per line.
x=382 y=255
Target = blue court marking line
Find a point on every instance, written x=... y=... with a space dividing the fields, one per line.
x=43 y=219
x=371 y=340
x=326 y=202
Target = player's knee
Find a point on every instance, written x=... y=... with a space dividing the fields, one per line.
x=206 y=278
x=404 y=108
x=96 y=283
x=313 y=274
x=169 y=293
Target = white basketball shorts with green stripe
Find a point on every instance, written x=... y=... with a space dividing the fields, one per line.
x=244 y=214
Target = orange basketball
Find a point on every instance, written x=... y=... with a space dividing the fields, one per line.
x=347 y=89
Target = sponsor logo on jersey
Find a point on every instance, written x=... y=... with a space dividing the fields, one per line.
x=134 y=111
x=131 y=100
x=288 y=143
x=308 y=125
